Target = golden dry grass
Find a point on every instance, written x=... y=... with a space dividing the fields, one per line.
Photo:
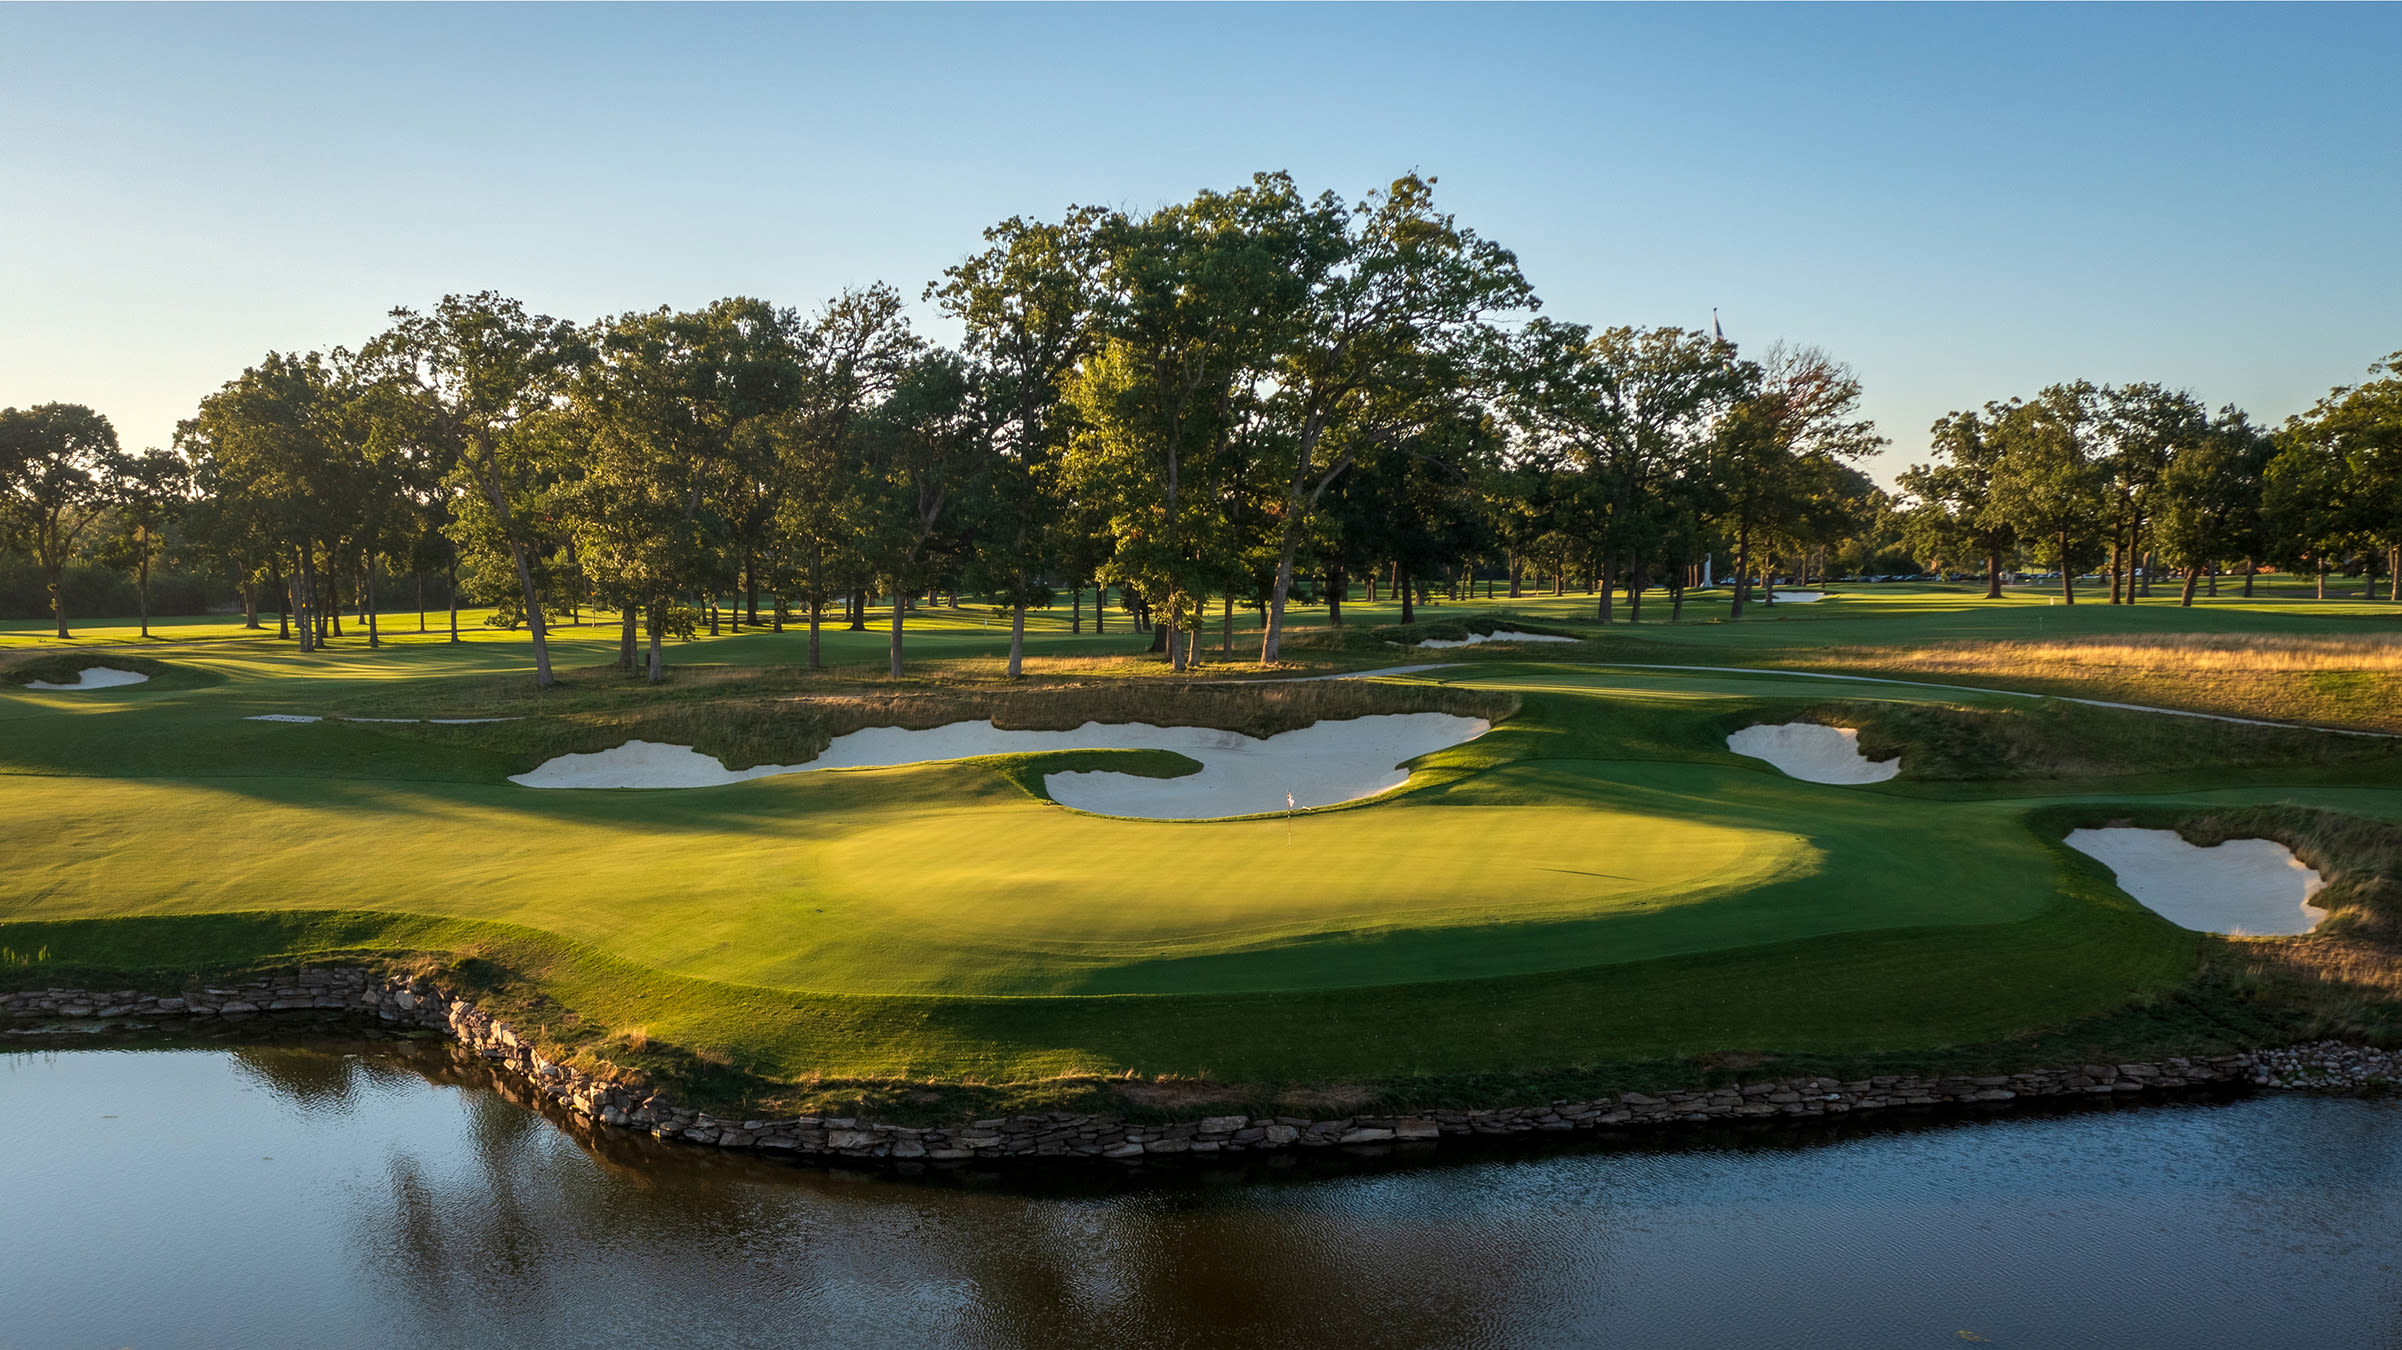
x=2337 y=681
x=2169 y=654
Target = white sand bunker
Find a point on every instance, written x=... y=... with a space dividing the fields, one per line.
x=282 y=717
x=1814 y=753
x=2242 y=887
x=1240 y=775
x=94 y=677
x=1790 y=597
x=1504 y=635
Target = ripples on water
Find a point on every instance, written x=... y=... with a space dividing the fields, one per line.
x=304 y=1197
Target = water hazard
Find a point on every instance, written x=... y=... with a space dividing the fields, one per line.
x=367 y=1195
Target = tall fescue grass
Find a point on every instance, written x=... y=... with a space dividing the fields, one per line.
x=2167 y=654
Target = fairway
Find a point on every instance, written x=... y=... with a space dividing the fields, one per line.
x=1600 y=863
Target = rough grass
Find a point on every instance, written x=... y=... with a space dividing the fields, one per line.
x=2337 y=680
x=2174 y=654
x=2052 y=740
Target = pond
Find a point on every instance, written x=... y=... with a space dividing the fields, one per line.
x=367 y=1194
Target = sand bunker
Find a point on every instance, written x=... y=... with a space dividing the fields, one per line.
x=643 y=764
x=1240 y=775
x=2243 y=887
x=1814 y=753
x=94 y=677
x=282 y=717
x=1791 y=597
x=1504 y=635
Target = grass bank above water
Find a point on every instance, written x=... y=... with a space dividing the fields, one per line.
x=1596 y=894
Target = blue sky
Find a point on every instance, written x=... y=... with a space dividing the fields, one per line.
x=1964 y=202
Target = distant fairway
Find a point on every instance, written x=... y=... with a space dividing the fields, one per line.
x=1598 y=879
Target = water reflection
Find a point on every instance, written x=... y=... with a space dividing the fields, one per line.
x=379 y=1195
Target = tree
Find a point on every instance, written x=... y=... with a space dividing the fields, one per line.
x=2208 y=499
x=2140 y=429
x=919 y=448
x=54 y=466
x=2357 y=431
x=1028 y=303
x=470 y=373
x=1952 y=512
x=1800 y=410
x=680 y=412
x=146 y=494
x=851 y=355
x=276 y=435
x=1196 y=298
x=1623 y=418
x=2047 y=482
x=1389 y=328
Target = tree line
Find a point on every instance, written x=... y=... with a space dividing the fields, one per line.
x=1255 y=399
x=2139 y=480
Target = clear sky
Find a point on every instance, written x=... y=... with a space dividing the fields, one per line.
x=1965 y=202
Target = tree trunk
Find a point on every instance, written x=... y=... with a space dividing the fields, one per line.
x=1226 y=625
x=1517 y=567
x=1017 y=639
x=1401 y=584
x=1609 y=580
x=1993 y=574
x=420 y=580
x=2117 y=556
x=250 y=604
x=658 y=666
x=1676 y=597
x=283 y=605
x=2068 y=574
x=750 y=573
x=1076 y=609
x=55 y=567
x=1371 y=587
x=817 y=556
x=1338 y=584
x=2193 y=574
x=374 y=634
x=454 y=592
x=2251 y=565
x=2322 y=579
x=627 y=638
x=900 y=607
x=1634 y=592
x=2211 y=579
x=543 y=679
x=1734 y=609
x=1100 y=607
x=305 y=598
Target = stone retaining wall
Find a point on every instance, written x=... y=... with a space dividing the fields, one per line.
x=1068 y=1135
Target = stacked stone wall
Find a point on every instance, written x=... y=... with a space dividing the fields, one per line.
x=1069 y=1135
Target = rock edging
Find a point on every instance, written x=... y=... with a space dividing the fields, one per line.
x=2327 y=1065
